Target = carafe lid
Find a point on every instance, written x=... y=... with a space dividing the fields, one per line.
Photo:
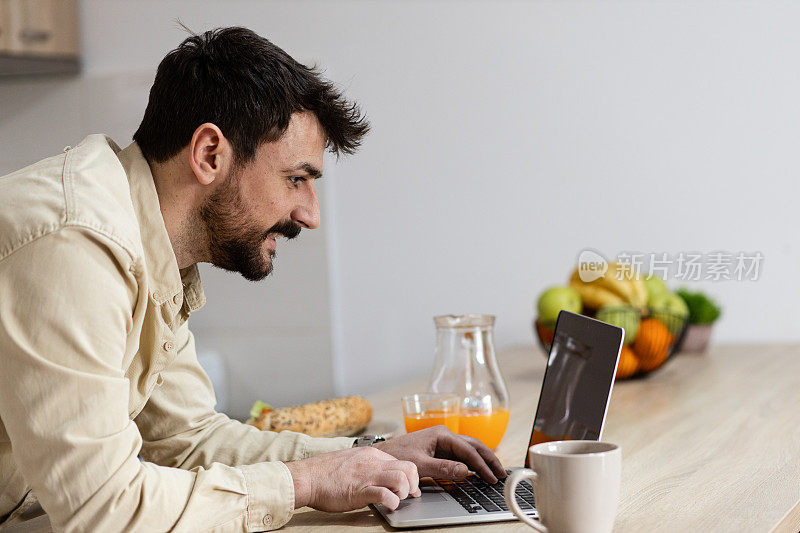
x=464 y=321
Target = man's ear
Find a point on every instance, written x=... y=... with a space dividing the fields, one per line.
x=209 y=152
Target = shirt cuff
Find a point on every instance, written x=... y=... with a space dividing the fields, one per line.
x=317 y=445
x=270 y=495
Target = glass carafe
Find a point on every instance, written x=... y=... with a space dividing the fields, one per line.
x=466 y=365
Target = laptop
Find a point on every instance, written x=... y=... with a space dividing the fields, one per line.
x=573 y=403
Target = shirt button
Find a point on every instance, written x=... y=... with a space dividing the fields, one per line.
x=169 y=346
x=267 y=520
x=67 y=149
x=177 y=299
x=156 y=295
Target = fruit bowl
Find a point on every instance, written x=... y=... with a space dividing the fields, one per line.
x=651 y=338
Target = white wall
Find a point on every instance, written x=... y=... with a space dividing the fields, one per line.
x=506 y=138
x=509 y=137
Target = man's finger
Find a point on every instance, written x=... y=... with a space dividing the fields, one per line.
x=381 y=495
x=461 y=449
x=444 y=469
x=411 y=472
x=394 y=480
x=488 y=456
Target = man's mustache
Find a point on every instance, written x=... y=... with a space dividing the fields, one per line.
x=287 y=228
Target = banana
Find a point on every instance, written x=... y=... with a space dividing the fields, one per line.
x=637 y=295
x=594 y=296
x=640 y=293
x=618 y=285
x=614 y=281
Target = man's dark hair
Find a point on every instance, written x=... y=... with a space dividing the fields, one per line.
x=249 y=88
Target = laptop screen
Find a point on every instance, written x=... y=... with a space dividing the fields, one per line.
x=578 y=379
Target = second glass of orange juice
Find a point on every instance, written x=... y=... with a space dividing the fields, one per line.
x=426 y=410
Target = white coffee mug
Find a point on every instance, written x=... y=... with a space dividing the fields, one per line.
x=575 y=484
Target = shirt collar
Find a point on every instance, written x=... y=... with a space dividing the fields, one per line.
x=167 y=281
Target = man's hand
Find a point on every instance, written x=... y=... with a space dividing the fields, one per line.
x=438 y=452
x=350 y=479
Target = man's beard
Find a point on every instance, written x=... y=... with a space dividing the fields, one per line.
x=233 y=240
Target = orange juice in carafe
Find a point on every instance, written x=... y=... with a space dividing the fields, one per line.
x=487 y=427
x=465 y=365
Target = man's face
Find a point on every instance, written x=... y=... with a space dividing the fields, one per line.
x=274 y=195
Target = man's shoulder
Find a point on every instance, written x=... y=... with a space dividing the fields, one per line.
x=84 y=187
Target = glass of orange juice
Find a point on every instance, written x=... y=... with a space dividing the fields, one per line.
x=426 y=410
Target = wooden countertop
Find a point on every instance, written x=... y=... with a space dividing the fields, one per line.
x=709 y=442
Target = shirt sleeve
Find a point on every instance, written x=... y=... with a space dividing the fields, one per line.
x=65 y=314
x=180 y=427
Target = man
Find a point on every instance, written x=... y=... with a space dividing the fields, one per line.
x=106 y=419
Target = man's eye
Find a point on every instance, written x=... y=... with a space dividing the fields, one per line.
x=296 y=179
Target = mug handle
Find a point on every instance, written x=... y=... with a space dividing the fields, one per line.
x=511 y=499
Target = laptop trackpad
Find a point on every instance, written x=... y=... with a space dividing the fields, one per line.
x=433 y=506
x=431 y=494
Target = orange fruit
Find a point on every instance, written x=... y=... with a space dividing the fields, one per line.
x=545 y=331
x=652 y=344
x=628 y=363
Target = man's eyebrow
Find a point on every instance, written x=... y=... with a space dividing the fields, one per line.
x=308 y=168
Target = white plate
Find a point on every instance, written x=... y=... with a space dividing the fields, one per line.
x=382 y=428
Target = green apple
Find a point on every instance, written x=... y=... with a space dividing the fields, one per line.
x=554 y=299
x=623 y=316
x=655 y=287
x=670 y=309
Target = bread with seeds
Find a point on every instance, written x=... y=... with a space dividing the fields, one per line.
x=331 y=418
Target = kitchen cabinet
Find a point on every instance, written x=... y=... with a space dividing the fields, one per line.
x=39 y=37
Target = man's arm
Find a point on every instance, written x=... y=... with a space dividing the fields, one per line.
x=181 y=429
x=65 y=311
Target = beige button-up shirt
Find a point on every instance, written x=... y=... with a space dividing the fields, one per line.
x=98 y=366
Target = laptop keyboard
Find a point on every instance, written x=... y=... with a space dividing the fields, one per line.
x=476 y=495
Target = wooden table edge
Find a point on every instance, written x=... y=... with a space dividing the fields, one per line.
x=790 y=523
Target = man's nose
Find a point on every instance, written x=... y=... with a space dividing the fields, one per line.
x=307 y=213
